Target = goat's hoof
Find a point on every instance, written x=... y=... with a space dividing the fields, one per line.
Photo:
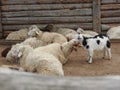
x=90 y=62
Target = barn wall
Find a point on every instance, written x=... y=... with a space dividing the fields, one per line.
x=17 y=14
x=110 y=12
x=87 y=14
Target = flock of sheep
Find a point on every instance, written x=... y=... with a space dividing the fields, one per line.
x=45 y=51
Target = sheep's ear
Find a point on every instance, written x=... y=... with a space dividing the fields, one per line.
x=37 y=32
x=80 y=30
x=20 y=54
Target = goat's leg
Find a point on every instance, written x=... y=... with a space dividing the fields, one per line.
x=109 y=53
x=90 y=56
x=105 y=53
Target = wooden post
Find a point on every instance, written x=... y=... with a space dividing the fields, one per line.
x=1 y=32
x=96 y=16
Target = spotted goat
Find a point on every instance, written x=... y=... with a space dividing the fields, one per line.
x=98 y=42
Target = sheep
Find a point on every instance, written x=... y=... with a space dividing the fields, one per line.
x=18 y=35
x=60 y=51
x=114 y=32
x=21 y=34
x=34 y=60
x=69 y=33
x=98 y=42
x=47 y=37
x=32 y=41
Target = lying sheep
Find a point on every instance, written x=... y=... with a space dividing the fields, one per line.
x=32 y=41
x=18 y=35
x=63 y=31
x=34 y=60
x=69 y=33
x=98 y=42
x=114 y=33
x=21 y=34
x=60 y=51
x=46 y=37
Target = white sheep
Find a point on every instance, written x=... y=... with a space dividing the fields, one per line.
x=46 y=37
x=18 y=35
x=98 y=42
x=33 y=42
x=60 y=51
x=34 y=60
x=69 y=33
x=114 y=32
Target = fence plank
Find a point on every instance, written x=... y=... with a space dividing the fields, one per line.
x=110 y=20
x=45 y=20
x=110 y=1
x=45 y=7
x=110 y=13
x=1 y=30
x=67 y=25
x=11 y=2
x=110 y=7
x=52 y=13
x=14 y=80
x=96 y=16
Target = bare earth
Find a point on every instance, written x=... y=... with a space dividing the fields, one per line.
x=77 y=65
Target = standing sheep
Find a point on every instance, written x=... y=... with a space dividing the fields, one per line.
x=34 y=60
x=114 y=33
x=46 y=37
x=98 y=42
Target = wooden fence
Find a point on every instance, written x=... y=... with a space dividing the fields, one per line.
x=87 y=14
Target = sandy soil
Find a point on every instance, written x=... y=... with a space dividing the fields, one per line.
x=77 y=65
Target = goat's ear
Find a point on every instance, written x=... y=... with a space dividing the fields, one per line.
x=80 y=30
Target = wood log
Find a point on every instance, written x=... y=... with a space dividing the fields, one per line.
x=110 y=13
x=11 y=2
x=110 y=20
x=46 y=20
x=96 y=16
x=14 y=80
x=52 y=13
x=110 y=7
x=45 y=7
x=67 y=25
x=110 y=1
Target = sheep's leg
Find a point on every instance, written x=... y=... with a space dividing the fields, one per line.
x=90 y=56
x=109 y=53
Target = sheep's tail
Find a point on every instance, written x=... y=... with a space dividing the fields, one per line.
x=5 y=51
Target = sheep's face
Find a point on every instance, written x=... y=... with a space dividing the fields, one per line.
x=80 y=30
x=33 y=31
x=15 y=53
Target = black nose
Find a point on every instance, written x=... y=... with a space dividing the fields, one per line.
x=78 y=38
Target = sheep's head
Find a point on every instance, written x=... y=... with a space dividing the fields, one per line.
x=80 y=30
x=15 y=53
x=50 y=27
x=78 y=37
x=68 y=47
x=34 y=31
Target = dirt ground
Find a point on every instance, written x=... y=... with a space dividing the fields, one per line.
x=77 y=65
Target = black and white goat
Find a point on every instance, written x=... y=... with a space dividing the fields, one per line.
x=98 y=42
